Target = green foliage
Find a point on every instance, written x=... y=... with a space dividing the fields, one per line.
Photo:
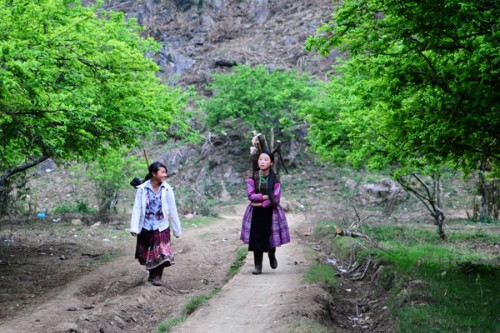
x=307 y=325
x=166 y=326
x=81 y=206
x=241 y=255
x=420 y=87
x=436 y=286
x=109 y=173
x=188 y=309
x=192 y=202
x=199 y=221
x=258 y=98
x=324 y=274
x=198 y=301
x=74 y=82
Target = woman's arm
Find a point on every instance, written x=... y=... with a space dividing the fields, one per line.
x=276 y=195
x=173 y=215
x=252 y=196
x=136 y=213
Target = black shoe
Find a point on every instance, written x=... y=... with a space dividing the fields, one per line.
x=257 y=270
x=273 y=262
x=272 y=258
x=156 y=281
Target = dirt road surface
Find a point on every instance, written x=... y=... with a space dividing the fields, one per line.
x=116 y=297
x=254 y=303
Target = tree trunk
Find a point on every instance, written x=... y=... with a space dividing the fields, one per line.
x=5 y=184
x=439 y=215
x=4 y=197
x=431 y=197
x=440 y=223
x=489 y=197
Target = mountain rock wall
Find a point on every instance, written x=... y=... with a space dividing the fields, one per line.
x=199 y=37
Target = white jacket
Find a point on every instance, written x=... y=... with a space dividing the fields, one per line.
x=168 y=206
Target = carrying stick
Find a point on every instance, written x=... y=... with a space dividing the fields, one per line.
x=146 y=157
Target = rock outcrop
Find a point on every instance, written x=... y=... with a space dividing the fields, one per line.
x=199 y=37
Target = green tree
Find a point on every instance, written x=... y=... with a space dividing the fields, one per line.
x=348 y=127
x=419 y=89
x=435 y=64
x=264 y=100
x=109 y=174
x=74 y=82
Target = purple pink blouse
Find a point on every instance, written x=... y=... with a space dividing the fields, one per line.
x=279 y=230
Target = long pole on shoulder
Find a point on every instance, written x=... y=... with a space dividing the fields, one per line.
x=146 y=157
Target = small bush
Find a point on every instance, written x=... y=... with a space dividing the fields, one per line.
x=81 y=207
x=321 y=273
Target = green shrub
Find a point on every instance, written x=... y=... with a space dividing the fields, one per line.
x=81 y=207
x=323 y=274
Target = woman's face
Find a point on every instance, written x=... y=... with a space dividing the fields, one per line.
x=264 y=162
x=161 y=175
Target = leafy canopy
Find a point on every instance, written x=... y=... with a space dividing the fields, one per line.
x=258 y=98
x=74 y=82
x=420 y=88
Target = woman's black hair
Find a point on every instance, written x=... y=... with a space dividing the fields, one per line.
x=271 y=181
x=153 y=168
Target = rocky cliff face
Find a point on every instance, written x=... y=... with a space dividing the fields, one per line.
x=199 y=37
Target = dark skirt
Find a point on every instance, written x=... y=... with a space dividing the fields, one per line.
x=260 y=231
x=153 y=248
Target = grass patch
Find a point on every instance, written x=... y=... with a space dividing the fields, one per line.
x=166 y=326
x=241 y=255
x=311 y=253
x=450 y=299
x=439 y=286
x=413 y=235
x=107 y=257
x=188 y=309
x=306 y=325
x=323 y=274
x=198 y=301
x=324 y=228
x=198 y=221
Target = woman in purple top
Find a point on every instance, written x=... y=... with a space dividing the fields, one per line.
x=264 y=224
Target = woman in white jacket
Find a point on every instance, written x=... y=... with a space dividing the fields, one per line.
x=153 y=215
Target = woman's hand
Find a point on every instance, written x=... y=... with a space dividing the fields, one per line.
x=264 y=198
x=133 y=234
x=256 y=204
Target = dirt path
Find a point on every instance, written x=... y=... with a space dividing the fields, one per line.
x=116 y=297
x=250 y=303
